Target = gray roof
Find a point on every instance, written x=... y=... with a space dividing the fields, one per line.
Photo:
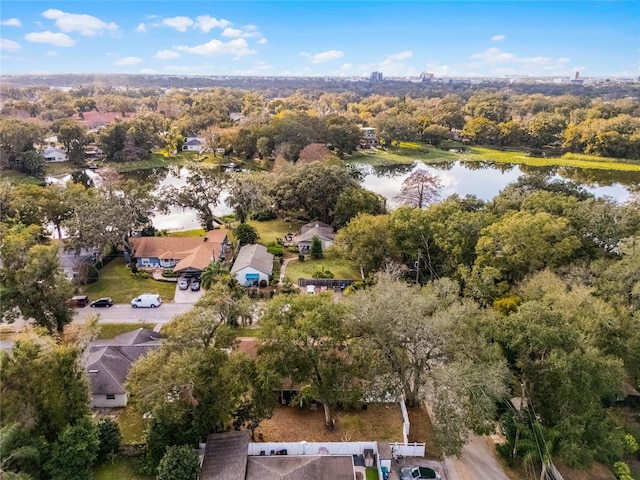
x=255 y=256
x=108 y=361
x=308 y=467
x=225 y=456
x=193 y=142
x=310 y=230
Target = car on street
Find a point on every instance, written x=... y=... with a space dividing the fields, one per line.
x=418 y=473
x=183 y=283
x=102 y=302
x=195 y=285
x=151 y=300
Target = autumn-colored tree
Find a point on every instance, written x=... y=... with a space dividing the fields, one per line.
x=420 y=189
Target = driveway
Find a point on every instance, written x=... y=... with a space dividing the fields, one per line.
x=187 y=296
x=397 y=465
x=478 y=460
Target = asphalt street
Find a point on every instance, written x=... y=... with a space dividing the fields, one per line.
x=123 y=313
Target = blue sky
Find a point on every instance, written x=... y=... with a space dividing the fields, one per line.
x=308 y=38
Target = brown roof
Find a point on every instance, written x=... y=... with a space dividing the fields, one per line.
x=95 y=118
x=196 y=252
x=307 y=467
x=225 y=456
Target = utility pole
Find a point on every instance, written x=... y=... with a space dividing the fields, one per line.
x=417 y=265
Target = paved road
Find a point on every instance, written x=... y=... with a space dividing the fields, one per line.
x=128 y=314
x=478 y=460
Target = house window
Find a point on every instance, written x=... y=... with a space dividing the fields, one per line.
x=111 y=396
x=145 y=261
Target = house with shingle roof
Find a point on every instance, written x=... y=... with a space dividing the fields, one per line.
x=252 y=265
x=181 y=254
x=193 y=144
x=108 y=362
x=321 y=230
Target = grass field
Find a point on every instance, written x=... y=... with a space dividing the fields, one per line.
x=407 y=152
x=188 y=233
x=131 y=425
x=117 y=283
x=122 y=468
x=372 y=473
x=341 y=268
x=271 y=230
x=111 y=330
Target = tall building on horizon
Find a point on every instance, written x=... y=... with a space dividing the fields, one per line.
x=375 y=77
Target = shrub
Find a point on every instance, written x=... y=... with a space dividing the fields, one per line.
x=263 y=283
x=140 y=275
x=277 y=250
x=245 y=234
x=322 y=273
x=264 y=215
x=622 y=471
x=316 y=247
x=300 y=257
x=109 y=437
x=179 y=463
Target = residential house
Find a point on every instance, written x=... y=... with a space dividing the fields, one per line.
x=193 y=144
x=53 y=154
x=92 y=152
x=181 y=254
x=108 y=363
x=95 y=119
x=322 y=230
x=369 y=138
x=252 y=265
x=226 y=457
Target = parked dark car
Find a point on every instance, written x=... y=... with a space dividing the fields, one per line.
x=102 y=302
x=418 y=473
x=79 y=301
x=195 y=285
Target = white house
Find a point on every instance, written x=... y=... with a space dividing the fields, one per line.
x=108 y=362
x=321 y=230
x=253 y=264
x=52 y=154
x=193 y=144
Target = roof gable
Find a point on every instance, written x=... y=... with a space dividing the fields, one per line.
x=178 y=248
x=254 y=256
x=225 y=456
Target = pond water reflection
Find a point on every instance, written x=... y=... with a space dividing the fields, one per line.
x=482 y=179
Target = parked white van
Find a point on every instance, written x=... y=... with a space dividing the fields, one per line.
x=152 y=300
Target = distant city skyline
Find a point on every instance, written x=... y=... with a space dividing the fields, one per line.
x=335 y=38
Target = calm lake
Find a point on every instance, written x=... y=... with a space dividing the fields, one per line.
x=484 y=180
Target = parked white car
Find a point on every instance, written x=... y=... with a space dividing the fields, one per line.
x=147 y=300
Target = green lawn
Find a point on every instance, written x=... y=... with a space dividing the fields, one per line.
x=341 y=268
x=247 y=332
x=271 y=230
x=199 y=232
x=407 y=152
x=111 y=330
x=131 y=425
x=122 y=468
x=117 y=283
x=372 y=473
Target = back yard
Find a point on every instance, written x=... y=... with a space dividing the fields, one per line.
x=340 y=267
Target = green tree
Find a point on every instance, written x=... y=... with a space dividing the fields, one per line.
x=109 y=438
x=246 y=194
x=201 y=193
x=316 y=247
x=306 y=337
x=20 y=453
x=74 y=452
x=545 y=128
x=435 y=134
x=179 y=463
x=33 y=164
x=245 y=234
x=342 y=133
x=355 y=200
x=481 y=130
x=313 y=188
x=33 y=284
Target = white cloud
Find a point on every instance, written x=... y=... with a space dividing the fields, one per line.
x=399 y=56
x=10 y=45
x=258 y=68
x=248 y=32
x=141 y=28
x=51 y=53
x=128 y=61
x=215 y=47
x=11 y=22
x=179 y=23
x=346 y=66
x=58 y=39
x=206 y=23
x=148 y=71
x=262 y=41
x=494 y=55
x=86 y=25
x=166 y=55
x=326 y=56
x=498 y=38
x=440 y=70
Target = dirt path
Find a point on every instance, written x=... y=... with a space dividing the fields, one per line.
x=283 y=268
x=478 y=460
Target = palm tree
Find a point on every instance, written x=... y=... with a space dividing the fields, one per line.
x=19 y=453
x=210 y=274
